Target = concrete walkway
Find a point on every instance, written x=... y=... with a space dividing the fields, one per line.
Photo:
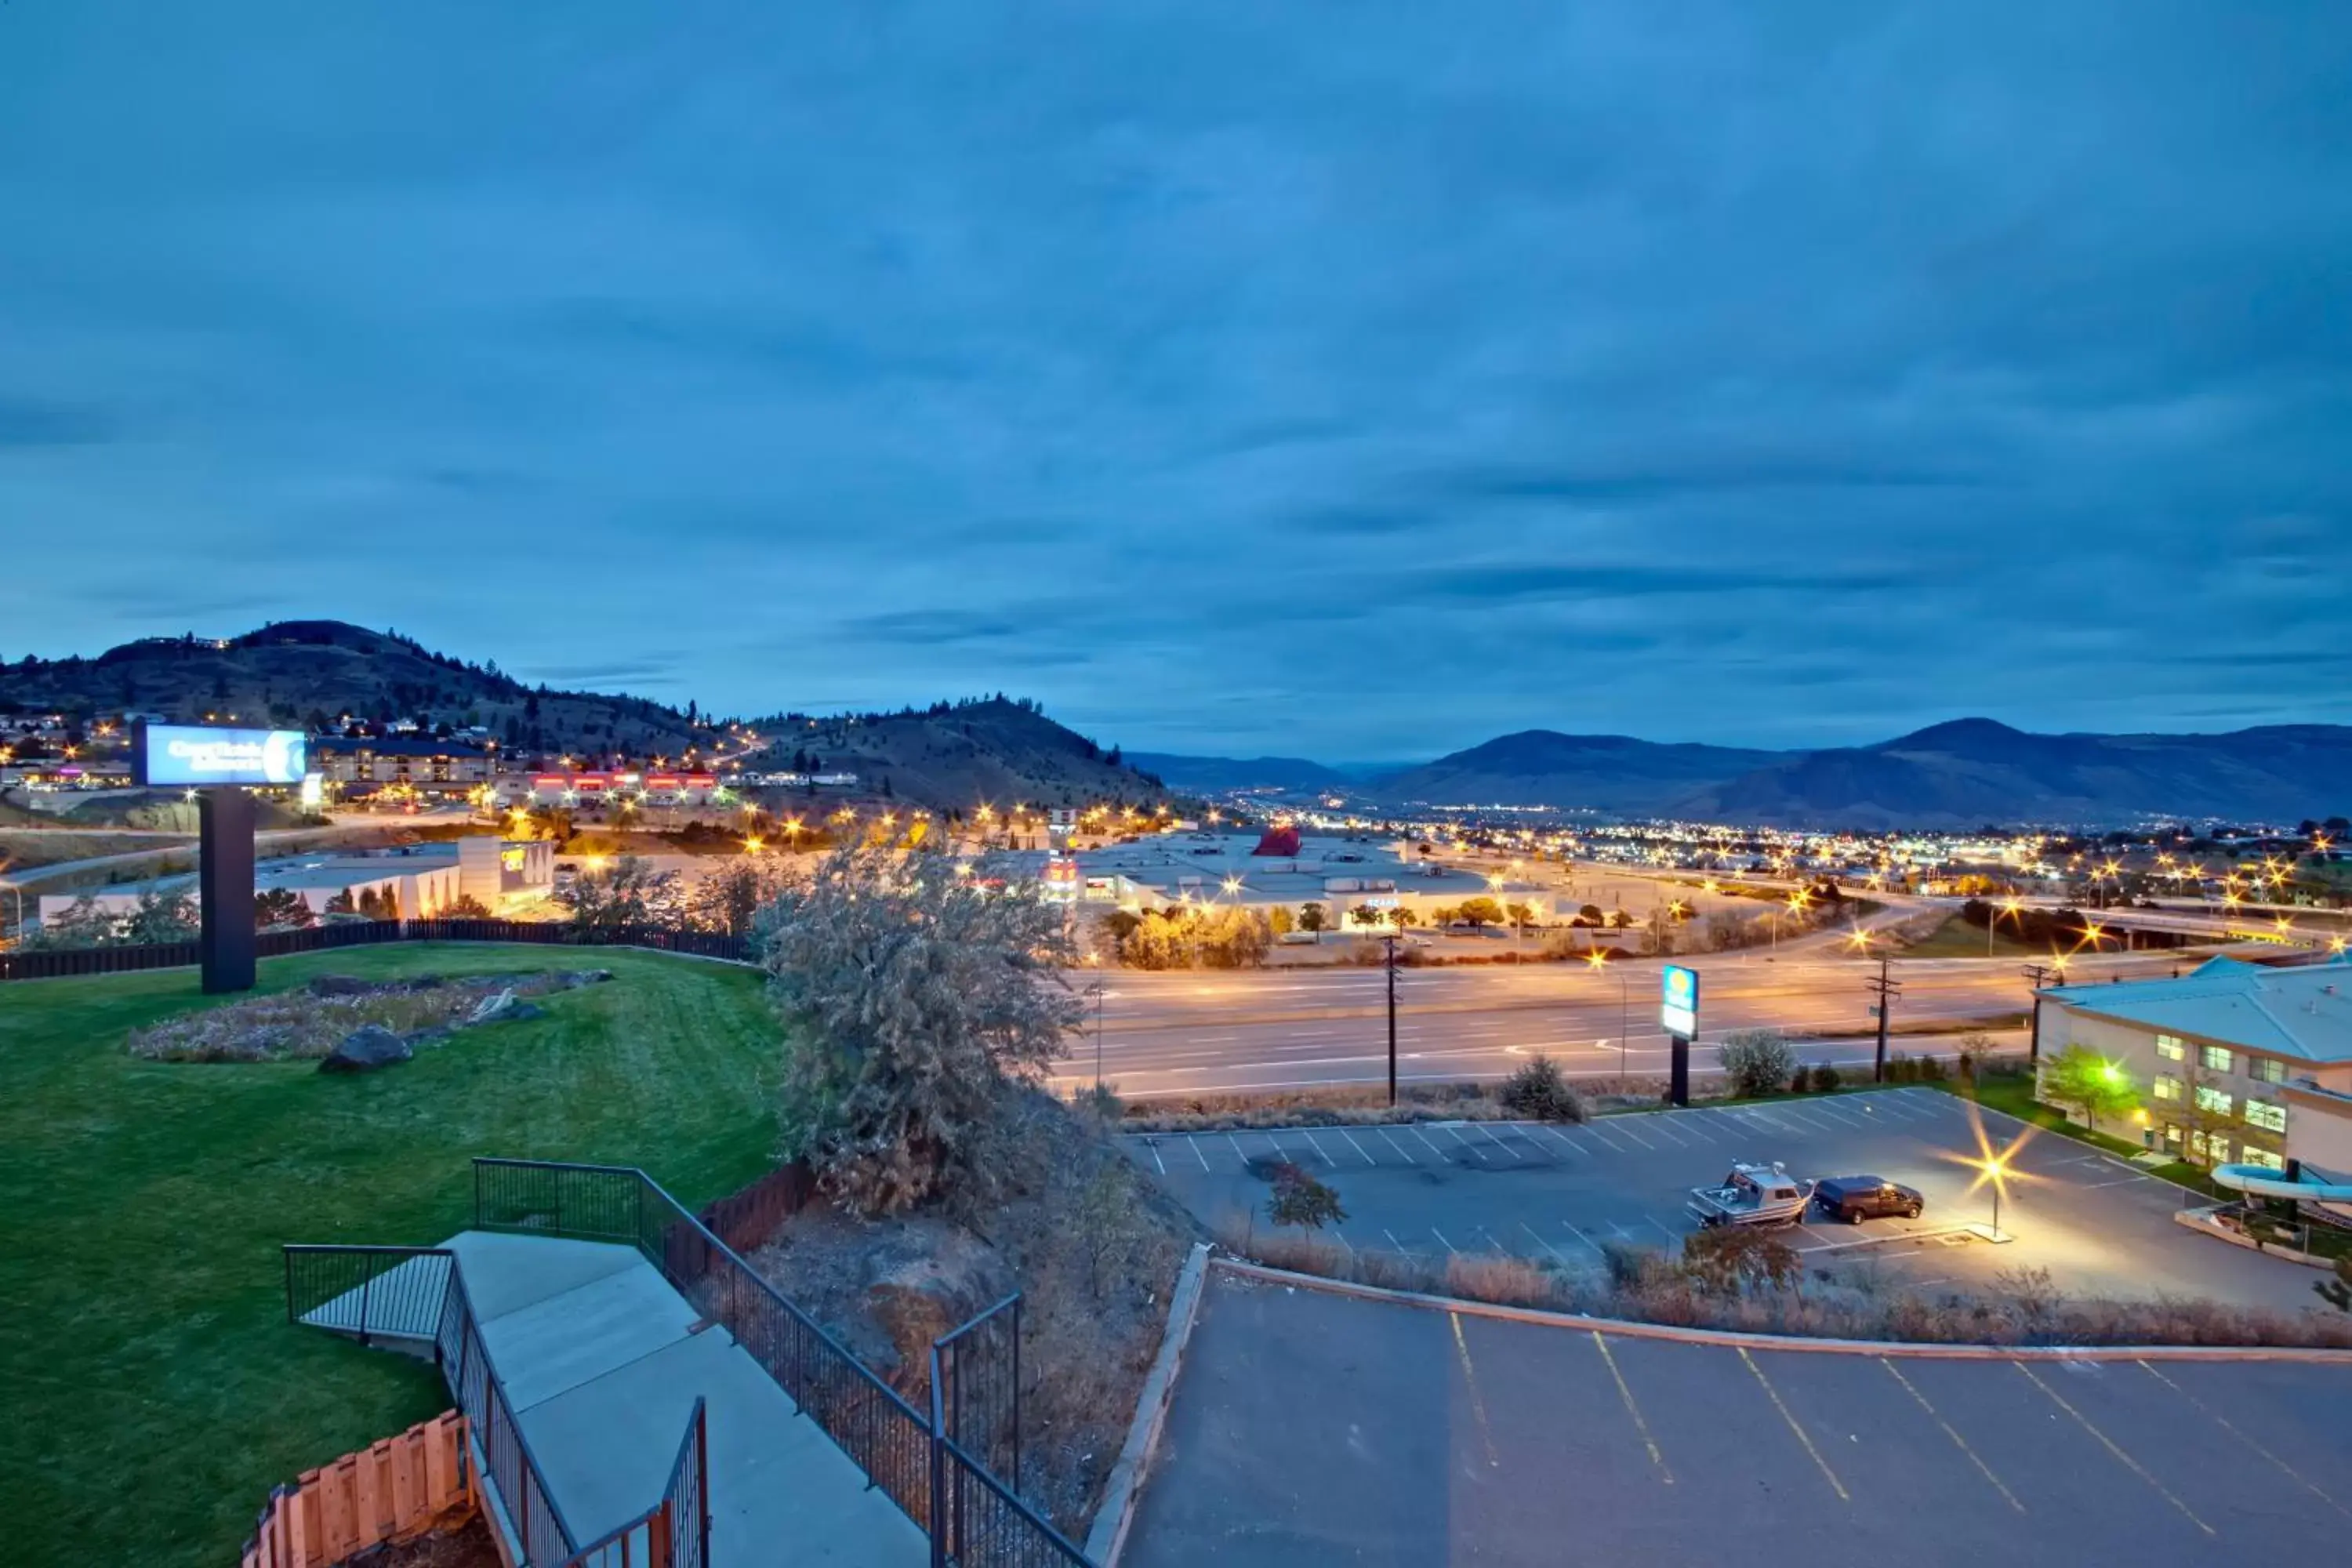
x=600 y=1357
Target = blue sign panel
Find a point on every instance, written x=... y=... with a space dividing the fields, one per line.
x=1678 y=1001
x=202 y=755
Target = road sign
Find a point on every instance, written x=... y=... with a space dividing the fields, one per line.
x=1678 y=1001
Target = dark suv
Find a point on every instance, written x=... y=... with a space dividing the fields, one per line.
x=1857 y=1198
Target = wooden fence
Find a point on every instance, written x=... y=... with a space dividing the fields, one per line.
x=745 y=1220
x=392 y=1491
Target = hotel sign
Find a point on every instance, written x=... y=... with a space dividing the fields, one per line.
x=201 y=754
x=1678 y=1001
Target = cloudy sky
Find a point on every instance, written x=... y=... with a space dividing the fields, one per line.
x=1356 y=381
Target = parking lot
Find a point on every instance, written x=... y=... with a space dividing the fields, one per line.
x=1558 y=1193
x=1311 y=1427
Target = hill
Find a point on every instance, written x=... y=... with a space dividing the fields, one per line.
x=1211 y=774
x=312 y=673
x=955 y=757
x=1544 y=767
x=1973 y=770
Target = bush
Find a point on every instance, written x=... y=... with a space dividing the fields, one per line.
x=1826 y=1078
x=1757 y=1061
x=1300 y=1200
x=1540 y=1091
x=1740 y=1260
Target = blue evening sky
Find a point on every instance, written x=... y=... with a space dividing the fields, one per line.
x=1333 y=379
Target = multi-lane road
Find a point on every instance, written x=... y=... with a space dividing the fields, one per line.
x=1222 y=1032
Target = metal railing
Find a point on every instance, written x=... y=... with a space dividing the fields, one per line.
x=419 y=1292
x=974 y=1519
x=59 y=962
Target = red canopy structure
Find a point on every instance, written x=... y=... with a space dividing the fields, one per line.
x=1281 y=840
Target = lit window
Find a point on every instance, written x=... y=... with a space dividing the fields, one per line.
x=2167 y=1087
x=2213 y=1099
x=2214 y=1058
x=2263 y=1157
x=2169 y=1047
x=2270 y=1118
x=2215 y=1148
x=2267 y=1069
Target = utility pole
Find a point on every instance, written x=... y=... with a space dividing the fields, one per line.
x=2035 y=973
x=1391 y=941
x=1097 y=991
x=1886 y=991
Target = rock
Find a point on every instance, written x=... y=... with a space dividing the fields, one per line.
x=915 y=1296
x=366 y=1048
x=339 y=985
x=505 y=1007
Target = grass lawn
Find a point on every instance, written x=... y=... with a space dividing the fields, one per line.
x=154 y=1390
x=2013 y=1093
x=1957 y=939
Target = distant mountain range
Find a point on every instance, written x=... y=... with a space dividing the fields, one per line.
x=1207 y=774
x=1959 y=774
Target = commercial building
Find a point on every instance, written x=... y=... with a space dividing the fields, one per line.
x=361 y=764
x=2233 y=1062
x=590 y=790
x=417 y=881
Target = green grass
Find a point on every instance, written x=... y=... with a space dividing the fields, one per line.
x=1957 y=939
x=2012 y=1094
x=155 y=1392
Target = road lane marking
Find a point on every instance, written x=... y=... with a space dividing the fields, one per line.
x=1633 y=1410
x=1477 y=1404
x=2223 y=1422
x=2109 y=1442
x=1957 y=1441
x=2118 y=1182
x=1802 y=1435
x=1358 y=1147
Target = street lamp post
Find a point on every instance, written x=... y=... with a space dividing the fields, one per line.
x=1390 y=942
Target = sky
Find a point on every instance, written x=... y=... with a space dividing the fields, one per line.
x=1348 y=381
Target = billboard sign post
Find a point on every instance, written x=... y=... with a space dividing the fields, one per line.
x=219 y=764
x=1679 y=1012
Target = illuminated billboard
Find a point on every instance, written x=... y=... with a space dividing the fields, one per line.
x=202 y=755
x=1678 y=1001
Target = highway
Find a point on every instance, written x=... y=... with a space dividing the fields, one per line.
x=1211 y=1032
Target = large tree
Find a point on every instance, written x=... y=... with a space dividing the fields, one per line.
x=913 y=990
x=2080 y=1077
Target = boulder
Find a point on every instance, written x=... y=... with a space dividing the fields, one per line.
x=366 y=1048
x=505 y=1007
x=916 y=1296
x=339 y=985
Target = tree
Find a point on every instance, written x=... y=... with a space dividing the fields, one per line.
x=631 y=893
x=342 y=904
x=1310 y=917
x=1299 y=1199
x=2080 y=1077
x=1757 y=1061
x=912 y=997
x=1479 y=911
x=281 y=909
x=1538 y=1090
x=729 y=898
x=1283 y=921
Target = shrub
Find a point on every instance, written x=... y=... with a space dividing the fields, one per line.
x=1826 y=1078
x=1540 y=1091
x=1738 y=1260
x=1300 y=1200
x=1757 y=1061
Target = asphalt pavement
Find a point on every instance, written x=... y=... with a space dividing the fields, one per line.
x=1310 y=1427
x=1559 y=1193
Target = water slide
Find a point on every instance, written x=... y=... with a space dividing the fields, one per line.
x=2262 y=1182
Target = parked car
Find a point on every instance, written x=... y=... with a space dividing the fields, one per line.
x=1857 y=1198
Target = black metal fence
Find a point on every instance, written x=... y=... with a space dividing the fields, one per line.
x=370 y=1291
x=676 y=1532
x=974 y=1519
x=61 y=963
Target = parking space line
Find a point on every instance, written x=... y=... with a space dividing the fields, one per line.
x=1432 y=1146
x=1957 y=1441
x=1598 y=1251
x=1237 y=1151
x=1403 y=1152
x=1634 y=1411
x=1673 y=1237
x=1194 y=1145
x=1566 y=1140
x=1499 y=1143
x=1155 y=1159
x=1395 y=1243
x=1540 y=1241
x=1693 y=1127
x=1838 y=1114
x=1493 y=1241
x=1358 y=1147
x=1280 y=1152
x=1802 y=1435
x=2109 y=1442
x=2223 y=1422
x=1316 y=1144
x=2119 y=1182
x=1441 y=1236
x=1664 y=1131
x=1636 y=1137
x=1607 y=1142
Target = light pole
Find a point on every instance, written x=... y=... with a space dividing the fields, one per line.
x=1391 y=943
x=1095 y=991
